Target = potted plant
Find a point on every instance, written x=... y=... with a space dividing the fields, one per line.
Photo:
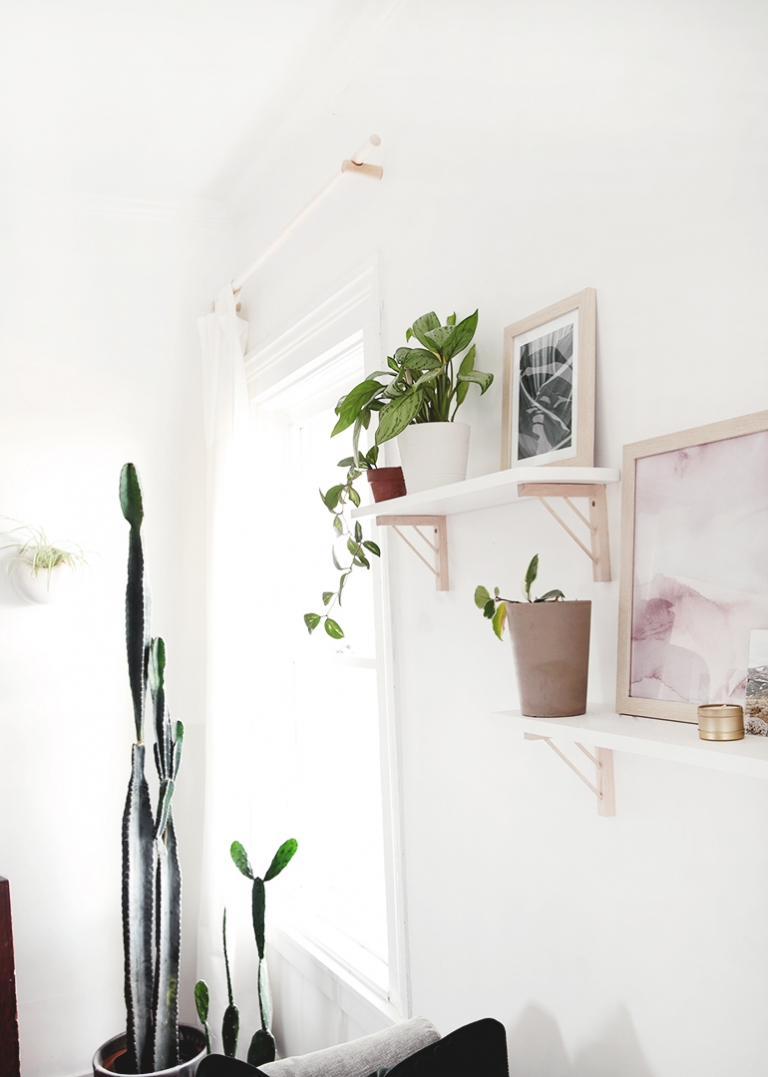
x=417 y=398
x=37 y=567
x=262 y=1047
x=337 y=500
x=153 y=1041
x=550 y=642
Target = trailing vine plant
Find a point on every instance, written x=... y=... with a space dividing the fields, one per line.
x=338 y=500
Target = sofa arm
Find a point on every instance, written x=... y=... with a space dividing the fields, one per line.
x=360 y=1057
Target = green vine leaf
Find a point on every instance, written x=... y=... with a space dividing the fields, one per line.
x=333 y=629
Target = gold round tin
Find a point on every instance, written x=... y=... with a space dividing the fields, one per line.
x=724 y=722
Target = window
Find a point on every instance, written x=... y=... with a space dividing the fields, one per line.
x=329 y=701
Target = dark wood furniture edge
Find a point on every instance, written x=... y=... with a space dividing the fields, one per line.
x=9 y=1024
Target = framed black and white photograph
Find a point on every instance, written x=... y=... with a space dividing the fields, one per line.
x=549 y=386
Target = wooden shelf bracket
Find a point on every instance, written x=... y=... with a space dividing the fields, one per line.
x=598 y=551
x=603 y=786
x=438 y=543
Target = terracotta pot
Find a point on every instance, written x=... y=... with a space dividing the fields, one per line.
x=433 y=454
x=106 y=1061
x=550 y=642
x=386 y=483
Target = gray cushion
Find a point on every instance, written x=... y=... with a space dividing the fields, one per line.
x=360 y=1057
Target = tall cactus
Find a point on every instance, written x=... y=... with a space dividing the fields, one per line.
x=151 y=874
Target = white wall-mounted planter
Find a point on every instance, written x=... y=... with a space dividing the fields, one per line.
x=41 y=587
x=433 y=454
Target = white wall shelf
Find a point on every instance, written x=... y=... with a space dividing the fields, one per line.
x=602 y=729
x=486 y=491
x=430 y=507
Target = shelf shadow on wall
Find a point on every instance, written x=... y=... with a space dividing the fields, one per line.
x=537 y=1049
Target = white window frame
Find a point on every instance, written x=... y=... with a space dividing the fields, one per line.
x=345 y=310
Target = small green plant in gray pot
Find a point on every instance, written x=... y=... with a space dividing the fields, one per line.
x=154 y=1041
x=550 y=643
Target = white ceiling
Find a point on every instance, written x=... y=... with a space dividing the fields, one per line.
x=165 y=100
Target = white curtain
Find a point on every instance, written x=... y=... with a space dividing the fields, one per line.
x=228 y=757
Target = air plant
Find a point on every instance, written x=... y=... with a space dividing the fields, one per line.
x=38 y=554
x=151 y=873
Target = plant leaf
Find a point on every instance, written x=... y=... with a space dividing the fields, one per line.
x=358 y=531
x=451 y=319
x=421 y=359
x=331 y=499
x=482 y=595
x=350 y=406
x=240 y=859
x=489 y=609
x=336 y=564
x=327 y=596
x=312 y=620
x=354 y=497
x=460 y=336
x=499 y=619
x=372 y=547
x=202 y=1000
x=551 y=595
x=258 y=905
x=530 y=576
x=399 y=414
x=333 y=629
x=424 y=325
x=478 y=378
x=281 y=858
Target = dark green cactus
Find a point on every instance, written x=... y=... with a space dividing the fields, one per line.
x=151 y=874
x=230 y=1026
x=202 y=1004
x=262 y=1048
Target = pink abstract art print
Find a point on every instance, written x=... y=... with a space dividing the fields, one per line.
x=699 y=572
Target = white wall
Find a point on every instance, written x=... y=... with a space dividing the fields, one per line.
x=531 y=150
x=99 y=364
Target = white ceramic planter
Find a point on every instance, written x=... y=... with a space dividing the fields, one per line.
x=433 y=454
x=41 y=587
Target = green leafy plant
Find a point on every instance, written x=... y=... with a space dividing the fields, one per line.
x=337 y=500
x=151 y=873
x=495 y=608
x=262 y=1046
x=426 y=384
x=38 y=554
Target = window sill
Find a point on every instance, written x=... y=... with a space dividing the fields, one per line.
x=358 y=1001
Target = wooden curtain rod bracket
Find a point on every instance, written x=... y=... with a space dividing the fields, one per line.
x=375 y=171
x=603 y=785
x=439 y=547
x=598 y=550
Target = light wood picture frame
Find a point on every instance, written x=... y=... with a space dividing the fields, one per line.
x=548 y=410
x=694 y=567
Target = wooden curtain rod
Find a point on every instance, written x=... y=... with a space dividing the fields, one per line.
x=355 y=163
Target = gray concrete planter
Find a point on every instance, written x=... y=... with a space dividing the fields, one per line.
x=550 y=642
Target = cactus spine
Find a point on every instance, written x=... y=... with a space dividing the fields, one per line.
x=151 y=874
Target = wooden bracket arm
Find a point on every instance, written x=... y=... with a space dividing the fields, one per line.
x=603 y=785
x=597 y=525
x=438 y=543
